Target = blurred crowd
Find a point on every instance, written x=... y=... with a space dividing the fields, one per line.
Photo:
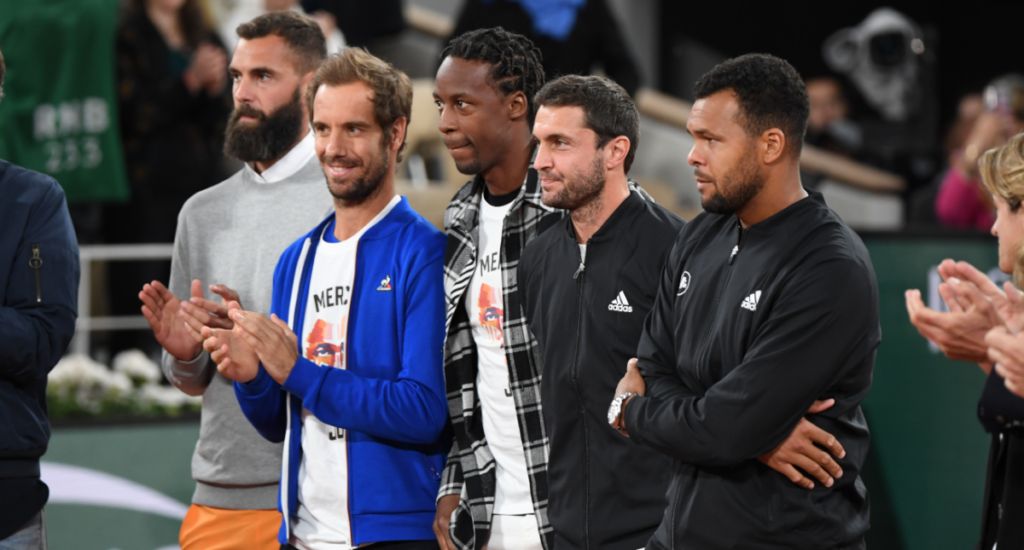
x=173 y=98
x=878 y=105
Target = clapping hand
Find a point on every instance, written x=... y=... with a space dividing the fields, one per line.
x=162 y=309
x=960 y=333
x=199 y=312
x=1007 y=351
x=235 y=359
x=1008 y=302
x=271 y=339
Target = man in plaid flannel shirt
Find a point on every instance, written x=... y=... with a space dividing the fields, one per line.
x=484 y=93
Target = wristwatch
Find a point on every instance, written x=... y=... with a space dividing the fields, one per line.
x=615 y=410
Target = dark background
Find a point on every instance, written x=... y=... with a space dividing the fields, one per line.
x=976 y=41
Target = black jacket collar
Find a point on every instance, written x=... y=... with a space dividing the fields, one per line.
x=629 y=208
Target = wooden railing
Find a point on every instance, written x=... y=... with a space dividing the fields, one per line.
x=675 y=112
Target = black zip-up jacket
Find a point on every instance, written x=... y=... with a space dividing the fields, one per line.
x=749 y=328
x=605 y=491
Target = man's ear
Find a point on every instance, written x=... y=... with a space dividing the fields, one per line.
x=518 y=105
x=615 y=152
x=304 y=83
x=773 y=145
x=398 y=128
x=303 y=90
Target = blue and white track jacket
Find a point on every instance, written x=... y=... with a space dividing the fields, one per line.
x=391 y=398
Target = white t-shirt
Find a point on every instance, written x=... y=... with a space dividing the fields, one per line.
x=322 y=521
x=486 y=317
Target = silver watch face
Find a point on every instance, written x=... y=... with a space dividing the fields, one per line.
x=613 y=410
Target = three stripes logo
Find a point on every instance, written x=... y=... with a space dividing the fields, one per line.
x=750 y=302
x=620 y=304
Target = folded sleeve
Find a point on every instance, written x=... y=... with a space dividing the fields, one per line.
x=820 y=325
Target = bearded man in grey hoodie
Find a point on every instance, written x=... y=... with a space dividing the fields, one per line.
x=231 y=235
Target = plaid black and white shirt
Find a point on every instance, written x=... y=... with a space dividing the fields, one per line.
x=470 y=471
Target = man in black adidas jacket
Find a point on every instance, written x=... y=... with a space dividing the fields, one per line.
x=587 y=283
x=767 y=303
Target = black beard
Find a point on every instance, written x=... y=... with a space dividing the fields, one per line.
x=740 y=186
x=269 y=138
x=363 y=188
x=581 y=190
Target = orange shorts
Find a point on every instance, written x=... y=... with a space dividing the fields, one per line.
x=207 y=528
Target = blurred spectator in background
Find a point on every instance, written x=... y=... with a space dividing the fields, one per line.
x=827 y=125
x=174 y=102
x=575 y=36
x=963 y=202
x=247 y=10
x=889 y=60
x=379 y=27
x=363 y=23
x=38 y=303
x=968 y=110
x=921 y=205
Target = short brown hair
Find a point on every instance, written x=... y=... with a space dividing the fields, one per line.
x=392 y=90
x=1002 y=172
x=607 y=108
x=300 y=32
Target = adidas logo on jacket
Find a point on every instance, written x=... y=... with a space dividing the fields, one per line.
x=620 y=304
x=750 y=302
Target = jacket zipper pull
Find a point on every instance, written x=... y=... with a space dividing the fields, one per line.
x=582 y=267
x=735 y=250
x=35 y=263
x=579 y=270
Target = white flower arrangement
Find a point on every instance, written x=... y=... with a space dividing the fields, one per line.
x=79 y=386
x=135 y=365
x=166 y=397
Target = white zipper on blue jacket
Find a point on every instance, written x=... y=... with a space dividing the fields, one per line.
x=285 y=476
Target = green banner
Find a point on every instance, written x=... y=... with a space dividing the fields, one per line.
x=59 y=111
x=926 y=468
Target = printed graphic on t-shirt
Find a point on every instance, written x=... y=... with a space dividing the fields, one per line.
x=326 y=343
x=331 y=297
x=491 y=312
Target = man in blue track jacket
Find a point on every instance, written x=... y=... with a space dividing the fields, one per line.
x=347 y=371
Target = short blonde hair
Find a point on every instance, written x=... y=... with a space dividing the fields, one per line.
x=392 y=90
x=1002 y=172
